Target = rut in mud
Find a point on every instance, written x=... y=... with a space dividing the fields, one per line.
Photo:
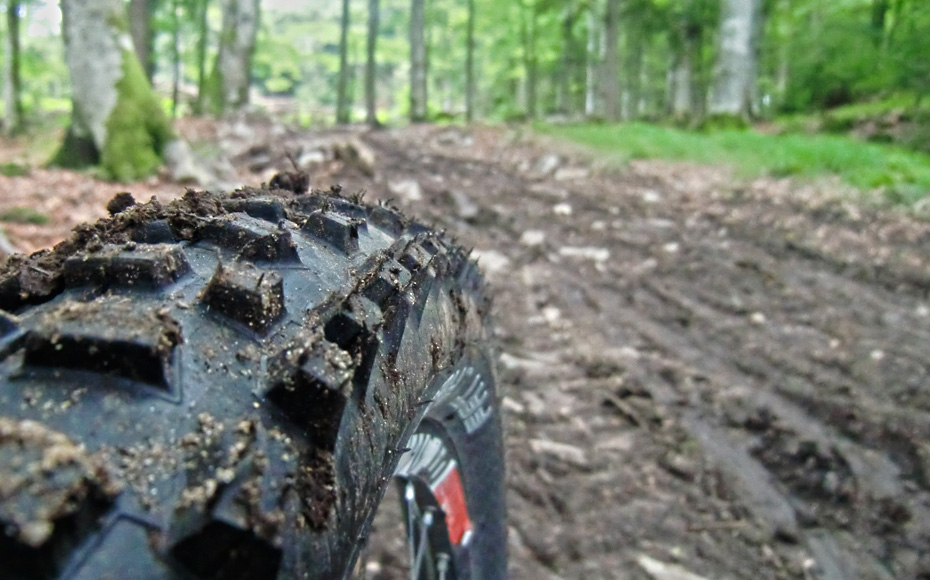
x=700 y=375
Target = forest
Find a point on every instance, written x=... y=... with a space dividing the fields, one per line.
x=685 y=63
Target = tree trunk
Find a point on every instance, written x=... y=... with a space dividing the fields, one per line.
x=593 y=59
x=175 y=57
x=680 y=83
x=563 y=80
x=681 y=93
x=228 y=85
x=203 y=28
x=470 y=64
x=418 y=62
x=12 y=81
x=879 y=14
x=116 y=118
x=371 y=66
x=342 y=84
x=736 y=67
x=611 y=66
x=143 y=35
x=530 y=62
x=632 y=95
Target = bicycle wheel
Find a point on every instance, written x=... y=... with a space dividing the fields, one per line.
x=224 y=386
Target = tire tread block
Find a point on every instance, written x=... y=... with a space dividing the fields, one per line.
x=246 y=294
x=147 y=265
x=391 y=278
x=82 y=336
x=253 y=238
x=339 y=231
x=263 y=208
x=311 y=387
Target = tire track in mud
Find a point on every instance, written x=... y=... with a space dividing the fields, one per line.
x=816 y=467
x=740 y=386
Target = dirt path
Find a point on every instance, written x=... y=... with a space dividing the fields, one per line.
x=730 y=379
x=724 y=380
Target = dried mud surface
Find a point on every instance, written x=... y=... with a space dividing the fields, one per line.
x=701 y=377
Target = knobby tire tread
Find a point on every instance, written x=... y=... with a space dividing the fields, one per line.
x=220 y=387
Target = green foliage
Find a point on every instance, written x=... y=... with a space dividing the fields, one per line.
x=909 y=65
x=13 y=170
x=42 y=67
x=211 y=100
x=863 y=165
x=722 y=122
x=816 y=56
x=23 y=215
x=836 y=56
x=137 y=128
x=833 y=68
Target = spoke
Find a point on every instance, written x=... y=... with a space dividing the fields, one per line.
x=410 y=499
x=442 y=565
x=421 y=550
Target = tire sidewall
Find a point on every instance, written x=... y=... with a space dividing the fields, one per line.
x=467 y=414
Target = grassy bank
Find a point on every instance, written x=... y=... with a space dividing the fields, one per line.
x=903 y=176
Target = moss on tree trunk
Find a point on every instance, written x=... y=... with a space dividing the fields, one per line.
x=212 y=100
x=117 y=120
x=137 y=129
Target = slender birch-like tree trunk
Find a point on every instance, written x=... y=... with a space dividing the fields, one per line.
x=175 y=57
x=228 y=86
x=734 y=79
x=418 y=61
x=342 y=83
x=371 y=65
x=116 y=118
x=633 y=85
x=12 y=80
x=470 y=64
x=569 y=59
x=681 y=83
x=593 y=59
x=203 y=27
x=143 y=35
x=611 y=64
x=528 y=16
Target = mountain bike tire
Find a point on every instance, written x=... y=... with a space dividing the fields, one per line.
x=224 y=386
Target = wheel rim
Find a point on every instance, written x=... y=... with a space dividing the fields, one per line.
x=433 y=516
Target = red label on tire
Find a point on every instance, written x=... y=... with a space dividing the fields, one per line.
x=451 y=498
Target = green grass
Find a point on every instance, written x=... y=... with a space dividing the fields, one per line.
x=903 y=175
x=13 y=170
x=847 y=117
x=23 y=215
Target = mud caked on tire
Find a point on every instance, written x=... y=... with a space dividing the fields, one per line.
x=224 y=386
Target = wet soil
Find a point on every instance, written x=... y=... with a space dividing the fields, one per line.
x=700 y=375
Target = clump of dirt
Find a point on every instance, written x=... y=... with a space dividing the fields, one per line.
x=120 y=202
x=39 y=277
x=316 y=487
x=44 y=479
x=296 y=181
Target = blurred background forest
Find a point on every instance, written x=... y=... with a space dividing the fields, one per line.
x=571 y=67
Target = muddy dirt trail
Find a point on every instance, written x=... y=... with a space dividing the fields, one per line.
x=725 y=379
x=701 y=377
